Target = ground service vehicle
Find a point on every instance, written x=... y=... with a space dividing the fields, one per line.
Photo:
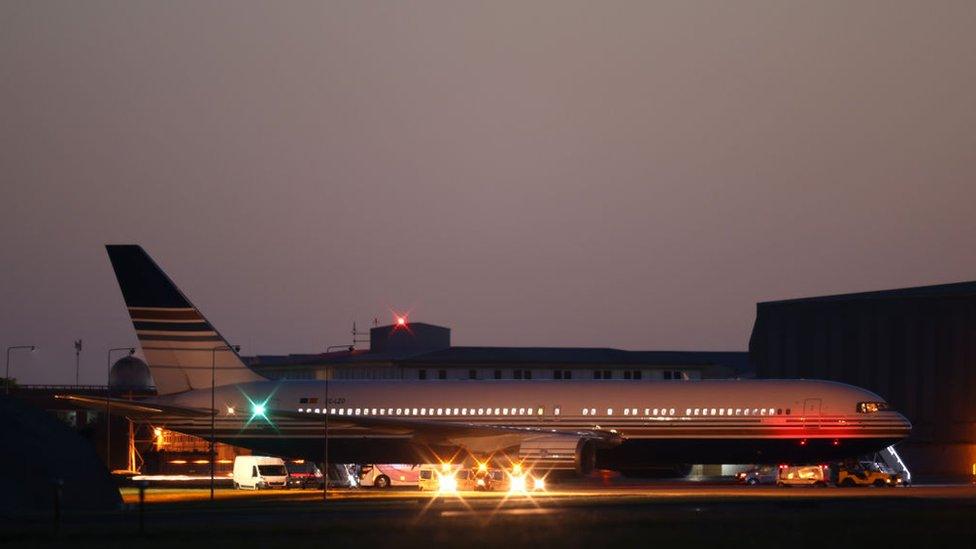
x=804 y=475
x=258 y=472
x=389 y=474
x=866 y=473
x=304 y=474
x=762 y=474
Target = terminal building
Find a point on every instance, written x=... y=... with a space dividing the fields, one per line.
x=916 y=347
x=424 y=352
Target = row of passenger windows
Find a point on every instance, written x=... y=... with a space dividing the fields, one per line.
x=556 y=374
x=430 y=411
x=538 y=411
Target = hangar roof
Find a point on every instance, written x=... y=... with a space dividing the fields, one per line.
x=956 y=289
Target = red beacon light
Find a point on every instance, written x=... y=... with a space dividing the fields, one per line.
x=401 y=321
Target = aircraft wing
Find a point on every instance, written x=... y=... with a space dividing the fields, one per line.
x=134 y=408
x=474 y=437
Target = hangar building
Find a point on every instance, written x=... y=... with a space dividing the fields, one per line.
x=916 y=347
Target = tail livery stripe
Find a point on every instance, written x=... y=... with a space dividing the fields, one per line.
x=179 y=344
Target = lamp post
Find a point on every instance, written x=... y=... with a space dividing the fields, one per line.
x=108 y=404
x=213 y=408
x=77 y=361
x=7 y=374
x=325 y=454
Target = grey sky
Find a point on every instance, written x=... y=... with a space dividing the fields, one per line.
x=619 y=174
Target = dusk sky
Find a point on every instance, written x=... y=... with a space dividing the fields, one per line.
x=624 y=174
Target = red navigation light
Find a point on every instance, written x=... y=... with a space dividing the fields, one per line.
x=836 y=442
x=401 y=321
x=803 y=442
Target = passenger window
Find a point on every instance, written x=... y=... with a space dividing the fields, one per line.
x=254 y=471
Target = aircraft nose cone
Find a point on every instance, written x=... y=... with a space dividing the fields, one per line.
x=903 y=422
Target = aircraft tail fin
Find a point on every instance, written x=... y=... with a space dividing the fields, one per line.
x=177 y=341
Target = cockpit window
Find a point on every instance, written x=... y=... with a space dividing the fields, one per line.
x=871 y=407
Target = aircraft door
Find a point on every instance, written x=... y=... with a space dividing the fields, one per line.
x=811 y=407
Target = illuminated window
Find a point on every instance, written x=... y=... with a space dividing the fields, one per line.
x=772 y=411
x=539 y=411
x=341 y=412
x=398 y=410
x=414 y=412
x=755 y=411
x=728 y=412
x=762 y=412
x=301 y=409
x=609 y=411
x=423 y=411
x=721 y=411
x=672 y=411
x=497 y=411
x=374 y=411
x=592 y=411
x=440 y=411
x=745 y=411
x=332 y=411
x=464 y=411
x=626 y=411
x=504 y=411
x=697 y=410
x=738 y=411
x=455 y=411
x=555 y=411
x=687 y=411
x=713 y=412
x=586 y=411
x=481 y=411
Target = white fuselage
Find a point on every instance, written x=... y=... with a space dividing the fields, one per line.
x=692 y=411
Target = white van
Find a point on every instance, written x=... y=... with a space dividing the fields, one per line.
x=257 y=472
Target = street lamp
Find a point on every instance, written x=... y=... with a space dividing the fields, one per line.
x=7 y=374
x=213 y=407
x=108 y=404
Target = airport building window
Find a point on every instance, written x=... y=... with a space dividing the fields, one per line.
x=422 y=374
x=441 y=374
x=498 y=374
x=557 y=374
x=555 y=411
x=472 y=374
x=609 y=411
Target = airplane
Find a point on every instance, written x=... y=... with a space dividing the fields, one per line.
x=569 y=425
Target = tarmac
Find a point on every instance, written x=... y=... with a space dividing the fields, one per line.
x=588 y=514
